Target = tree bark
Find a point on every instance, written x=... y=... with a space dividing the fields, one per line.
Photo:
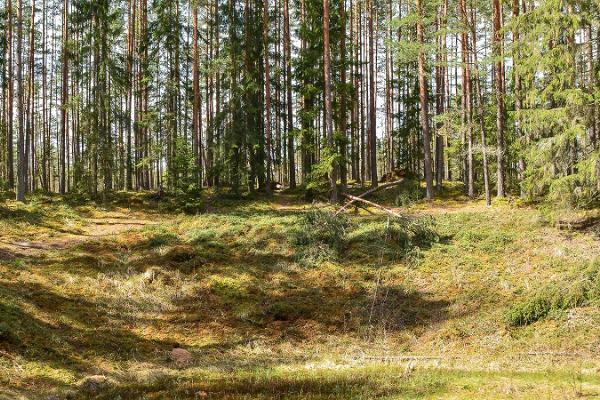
x=423 y=96
x=267 y=95
x=21 y=157
x=288 y=74
x=499 y=73
x=372 y=94
x=333 y=195
x=64 y=101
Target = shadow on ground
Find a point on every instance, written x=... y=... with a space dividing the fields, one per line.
x=97 y=306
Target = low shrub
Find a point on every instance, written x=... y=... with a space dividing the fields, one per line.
x=556 y=298
x=530 y=311
x=6 y=333
x=408 y=192
x=320 y=236
x=157 y=237
x=392 y=239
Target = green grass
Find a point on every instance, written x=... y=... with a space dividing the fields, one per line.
x=231 y=287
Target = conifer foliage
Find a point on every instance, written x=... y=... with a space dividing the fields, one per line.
x=249 y=95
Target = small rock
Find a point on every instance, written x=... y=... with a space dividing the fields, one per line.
x=181 y=357
x=94 y=384
x=151 y=274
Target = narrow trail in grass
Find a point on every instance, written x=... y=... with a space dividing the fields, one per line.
x=114 y=224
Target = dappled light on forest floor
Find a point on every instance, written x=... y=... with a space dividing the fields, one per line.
x=114 y=294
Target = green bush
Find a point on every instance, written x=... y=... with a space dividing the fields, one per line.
x=529 y=311
x=156 y=237
x=423 y=231
x=555 y=298
x=6 y=333
x=321 y=236
x=392 y=238
x=285 y=311
x=409 y=192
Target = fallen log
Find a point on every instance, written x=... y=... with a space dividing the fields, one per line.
x=578 y=224
x=368 y=192
x=386 y=210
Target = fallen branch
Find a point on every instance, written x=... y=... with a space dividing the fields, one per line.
x=405 y=358
x=551 y=353
x=579 y=224
x=368 y=192
x=386 y=210
x=364 y=207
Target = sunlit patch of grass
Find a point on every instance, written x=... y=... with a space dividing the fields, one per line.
x=42 y=216
x=229 y=287
x=293 y=383
x=338 y=381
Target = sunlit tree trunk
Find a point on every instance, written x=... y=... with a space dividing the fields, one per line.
x=499 y=74
x=288 y=74
x=372 y=95
x=64 y=101
x=328 y=103
x=423 y=97
x=21 y=151
x=10 y=172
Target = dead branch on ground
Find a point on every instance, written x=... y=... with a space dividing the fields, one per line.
x=368 y=192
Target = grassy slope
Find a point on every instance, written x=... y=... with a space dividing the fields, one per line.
x=229 y=287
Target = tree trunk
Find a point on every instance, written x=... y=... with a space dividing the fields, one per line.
x=130 y=108
x=467 y=117
x=441 y=97
x=423 y=96
x=288 y=75
x=21 y=156
x=499 y=73
x=10 y=172
x=372 y=94
x=30 y=137
x=333 y=196
x=64 y=101
x=518 y=92
x=267 y=95
x=480 y=111
x=196 y=113
x=343 y=124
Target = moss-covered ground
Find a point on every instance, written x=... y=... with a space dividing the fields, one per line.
x=110 y=289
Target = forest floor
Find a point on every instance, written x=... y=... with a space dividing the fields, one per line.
x=94 y=298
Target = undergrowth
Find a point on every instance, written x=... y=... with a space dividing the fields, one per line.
x=320 y=236
x=557 y=297
x=323 y=236
x=232 y=287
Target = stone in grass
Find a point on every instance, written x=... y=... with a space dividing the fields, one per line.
x=94 y=384
x=181 y=357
